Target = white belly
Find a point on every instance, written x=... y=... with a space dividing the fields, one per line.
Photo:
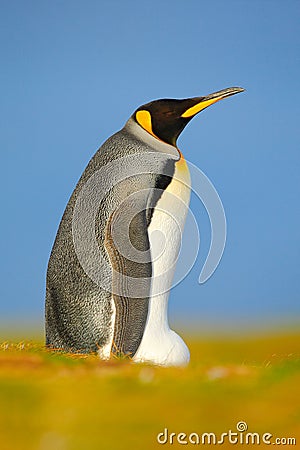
x=161 y=345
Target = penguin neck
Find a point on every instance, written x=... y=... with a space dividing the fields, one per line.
x=149 y=140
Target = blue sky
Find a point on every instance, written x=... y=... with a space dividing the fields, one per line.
x=72 y=72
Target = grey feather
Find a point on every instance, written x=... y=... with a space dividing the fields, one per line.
x=78 y=310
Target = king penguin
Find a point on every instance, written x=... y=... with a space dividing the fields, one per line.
x=140 y=184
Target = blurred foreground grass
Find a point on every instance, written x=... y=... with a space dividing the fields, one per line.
x=52 y=401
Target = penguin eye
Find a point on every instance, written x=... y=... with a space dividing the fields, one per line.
x=169 y=113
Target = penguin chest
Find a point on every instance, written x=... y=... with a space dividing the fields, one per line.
x=166 y=228
x=161 y=345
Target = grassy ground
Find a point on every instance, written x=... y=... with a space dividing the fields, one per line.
x=51 y=401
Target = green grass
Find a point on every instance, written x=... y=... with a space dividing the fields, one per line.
x=65 y=402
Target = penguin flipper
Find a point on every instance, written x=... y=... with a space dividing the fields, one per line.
x=131 y=283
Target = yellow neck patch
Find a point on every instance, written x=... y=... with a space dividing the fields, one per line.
x=144 y=119
x=197 y=108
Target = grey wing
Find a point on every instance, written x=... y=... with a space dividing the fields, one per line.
x=131 y=277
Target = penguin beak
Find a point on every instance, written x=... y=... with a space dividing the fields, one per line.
x=203 y=102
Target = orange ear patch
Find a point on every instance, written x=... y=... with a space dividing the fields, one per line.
x=144 y=119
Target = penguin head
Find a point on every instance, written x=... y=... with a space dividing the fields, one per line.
x=165 y=119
